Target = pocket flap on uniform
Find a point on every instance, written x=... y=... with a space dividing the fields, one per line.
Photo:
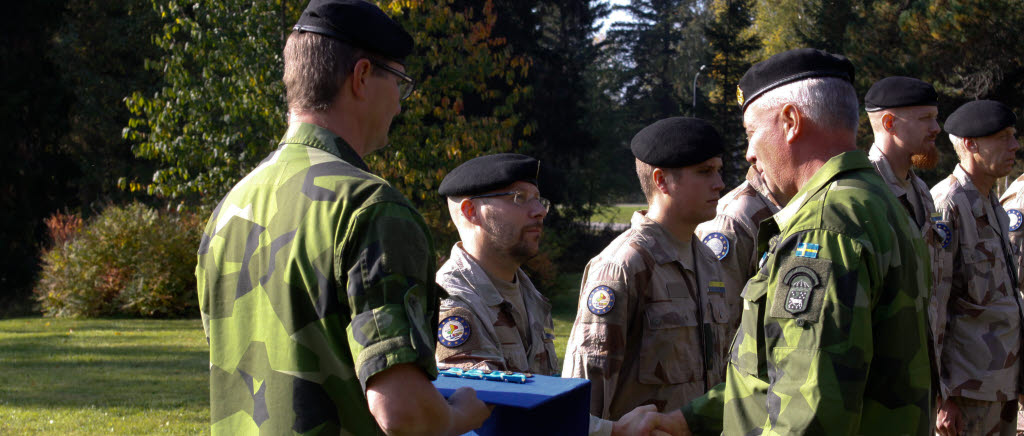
x=680 y=312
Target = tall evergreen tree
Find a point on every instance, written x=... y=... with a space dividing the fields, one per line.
x=732 y=43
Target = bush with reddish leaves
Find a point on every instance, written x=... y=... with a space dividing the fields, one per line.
x=127 y=261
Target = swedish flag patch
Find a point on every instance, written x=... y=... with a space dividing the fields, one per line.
x=807 y=249
x=717 y=287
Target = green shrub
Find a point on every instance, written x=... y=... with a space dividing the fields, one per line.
x=128 y=261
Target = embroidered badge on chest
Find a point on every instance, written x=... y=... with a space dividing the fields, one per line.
x=944 y=233
x=453 y=331
x=601 y=300
x=1016 y=218
x=718 y=243
x=716 y=287
x=801 y=281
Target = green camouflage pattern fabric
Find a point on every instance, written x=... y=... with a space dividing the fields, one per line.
x=663 y=340
x=916 y=199
x=313 y=276
x=833 y=338
x=495 y=341
x=738 y=214
x=982 y=327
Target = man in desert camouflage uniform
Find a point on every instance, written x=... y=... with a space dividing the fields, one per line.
x=979 y=369
x=494 y=318
x=315 y=276
x=652 y=317
x=498 y=318
x=732 y=235
x=903 y=112
x=833 y=337
x=1013 y=202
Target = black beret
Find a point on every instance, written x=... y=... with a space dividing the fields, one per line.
x=899 y=91
x=979 y=118
x=487 y=173
x=358 y=23
x=788 y=67
x=677 y=142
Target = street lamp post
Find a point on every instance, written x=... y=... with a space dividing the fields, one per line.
x=695 y=88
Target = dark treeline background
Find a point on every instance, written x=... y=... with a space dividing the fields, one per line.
x=170 y=102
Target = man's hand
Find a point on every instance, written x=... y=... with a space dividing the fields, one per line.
x=468 y=412
x=948 y=422
x=645 y=420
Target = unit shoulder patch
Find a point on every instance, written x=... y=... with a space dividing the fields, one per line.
x=945 y=234
x=453 y=331
x=718 y=243
x=800 y=291
x=1016 y=218
x=601 y=300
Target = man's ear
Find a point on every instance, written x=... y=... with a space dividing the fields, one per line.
x=970 y=145
x=792 y=122
x=887 y=121
x=357 y=79
x=469 y=211
x=659 y=180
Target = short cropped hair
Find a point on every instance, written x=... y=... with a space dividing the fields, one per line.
x=826 y=101
x=960 y=147
x=315 y=66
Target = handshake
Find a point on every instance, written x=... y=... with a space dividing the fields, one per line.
x=645 y=420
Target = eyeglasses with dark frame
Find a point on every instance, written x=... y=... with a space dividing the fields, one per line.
x=519 y=198
x=405 y=87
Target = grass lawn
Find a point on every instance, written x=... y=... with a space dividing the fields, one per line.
x=88 y=377
x=619 y=213
x=114 y=376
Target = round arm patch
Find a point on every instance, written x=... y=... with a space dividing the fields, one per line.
x=718 y=243
x=1016 y=218
x=453 y=331
x=601 y=300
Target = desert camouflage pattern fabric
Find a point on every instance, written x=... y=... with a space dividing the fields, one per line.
x=738 y=214
x=1013 y=199
x=495 y=341
x=833 y=338
x=982 y=329
x=987 y=417
x=313 y=276
x=924 y=216
x=664 y=340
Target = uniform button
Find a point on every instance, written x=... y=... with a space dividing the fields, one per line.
x=800 y=322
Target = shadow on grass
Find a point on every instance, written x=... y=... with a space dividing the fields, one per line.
x=44 y=370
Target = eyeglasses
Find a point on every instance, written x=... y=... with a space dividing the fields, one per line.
x=405 y=86
x=520 y=198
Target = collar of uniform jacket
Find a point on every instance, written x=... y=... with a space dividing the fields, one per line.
x=312 y=135
x=475 y=275
x=977 y=207
x=881 y=162
x=845 y=161
x=656 y=240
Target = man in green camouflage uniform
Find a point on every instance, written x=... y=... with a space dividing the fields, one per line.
x=980 y=369
x=732 y=235
x=903 y=112
x=315 y=276
x=652 y=317
x=833 y=338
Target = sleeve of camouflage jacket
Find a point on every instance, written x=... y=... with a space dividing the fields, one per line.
x=938 y=305
x=738 y=264
x=598 y=342
x=386 y=265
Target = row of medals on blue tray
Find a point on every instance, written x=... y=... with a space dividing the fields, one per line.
x=485 y=374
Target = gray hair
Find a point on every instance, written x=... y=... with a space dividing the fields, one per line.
x=959 y=146
x=826 y=101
